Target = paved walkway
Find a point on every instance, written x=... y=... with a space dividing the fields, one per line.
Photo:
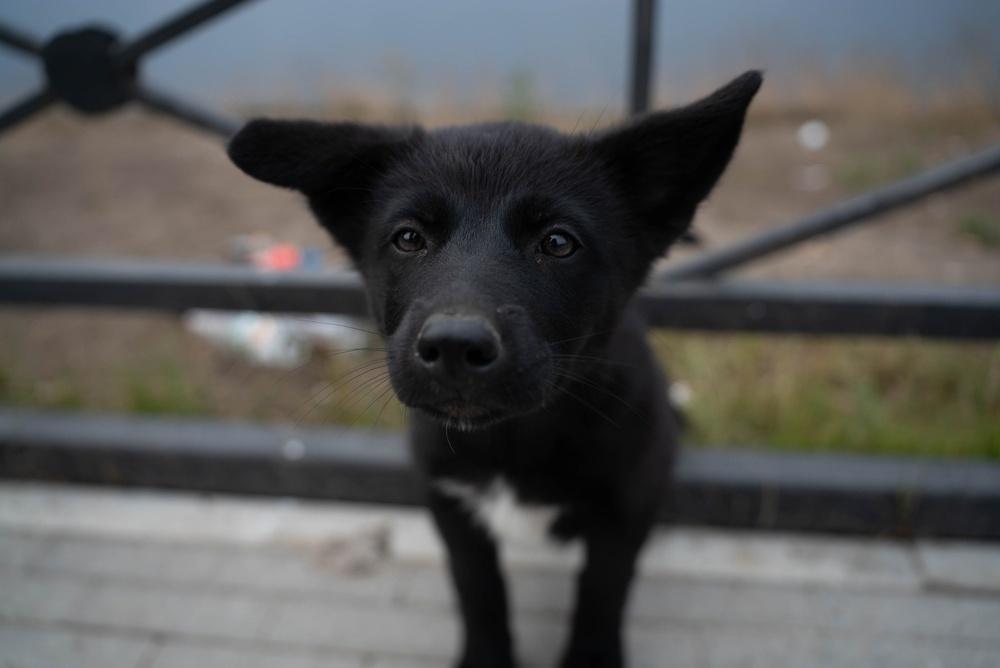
x=107 y=579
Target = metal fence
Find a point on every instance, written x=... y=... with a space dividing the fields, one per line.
x=94 y=71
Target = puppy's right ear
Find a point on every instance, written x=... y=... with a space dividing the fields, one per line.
x=334 y=164
x=311 y=156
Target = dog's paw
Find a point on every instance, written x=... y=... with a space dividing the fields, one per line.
x=593 y=657
x=486 y=659
x=485 y=662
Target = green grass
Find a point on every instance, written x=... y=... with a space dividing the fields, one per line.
x=357 y=393
x=983 y=228
x=55 y=395
x=868 y=396
x=864 y=172
x=892 y=396
x=165 y=390
x=877 y=396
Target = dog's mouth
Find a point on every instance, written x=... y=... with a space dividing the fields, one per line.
x=462 y=411
x=465 y=416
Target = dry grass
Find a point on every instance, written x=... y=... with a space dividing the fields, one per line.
x=859 y=395
x=899 y=396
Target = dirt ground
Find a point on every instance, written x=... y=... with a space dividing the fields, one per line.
x=132 y=185
x=129 y=185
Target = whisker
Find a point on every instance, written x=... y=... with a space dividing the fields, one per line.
x=372 y=402
x=287 y=374
x=596 y=386
x=283 y=383
x=588 y=405
x=584 y=336
x=448 y=439
x=321 y=396
x=316 y=404
x=368 y=386
x=594 y=358
x=329 y=323
x=599 y=117
x=382 y=410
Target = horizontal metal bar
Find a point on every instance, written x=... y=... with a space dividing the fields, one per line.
x=762 y=490
x=175 y=27
x=839 y=216
x=824 y=308
x=345 y=464
x=163 y=103
x=19 y=41
x=177 y=287
x=25 y=109
x=972 y=313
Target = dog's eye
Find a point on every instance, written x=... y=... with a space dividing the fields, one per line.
x=408 y=240
x=558 y=244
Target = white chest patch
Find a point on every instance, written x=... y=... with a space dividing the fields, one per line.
x=496 y=507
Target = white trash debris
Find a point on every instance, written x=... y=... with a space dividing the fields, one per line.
x=813 y=135
x=680 y=393
x=274 y=340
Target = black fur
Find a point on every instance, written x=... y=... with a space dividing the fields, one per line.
x=521 y=363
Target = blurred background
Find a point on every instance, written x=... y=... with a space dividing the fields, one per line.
x=857 y=94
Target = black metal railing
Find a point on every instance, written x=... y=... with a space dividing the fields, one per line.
x=94 y=71
x=778 y=308
x=91 y=70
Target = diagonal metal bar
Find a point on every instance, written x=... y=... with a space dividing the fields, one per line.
x=173 y=28
x=839 y=216
x=187 y=112
x=25 y=109
x=643 y=17
x=19 y=41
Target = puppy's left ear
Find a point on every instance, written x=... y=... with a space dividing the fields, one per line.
x=665 y=163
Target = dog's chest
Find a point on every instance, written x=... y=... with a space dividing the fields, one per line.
x=496 y=507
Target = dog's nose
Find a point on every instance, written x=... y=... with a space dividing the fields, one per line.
x=457 y=346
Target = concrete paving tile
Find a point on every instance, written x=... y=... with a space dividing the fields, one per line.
x=383 y=661
x=19 y=549
x=108 y=558
x=665 y=646
x=316 y=571
x=703 y=602
x=536 y=591
x=27 y=598
x=24 y=646
x=370 y=587
x=787 y=559
x=757 y=649
x=185 y=517
x=187 y=612
x=901 y=613
x=428 y=586
x=187 y=655
x=967 y=565
x=392 y=629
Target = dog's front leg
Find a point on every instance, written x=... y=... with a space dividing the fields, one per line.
x=479 y=585
x=602 y=592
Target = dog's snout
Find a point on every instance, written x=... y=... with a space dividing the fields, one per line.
x=455 y=346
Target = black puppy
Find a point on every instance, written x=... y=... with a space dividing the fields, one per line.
x=500 y=262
